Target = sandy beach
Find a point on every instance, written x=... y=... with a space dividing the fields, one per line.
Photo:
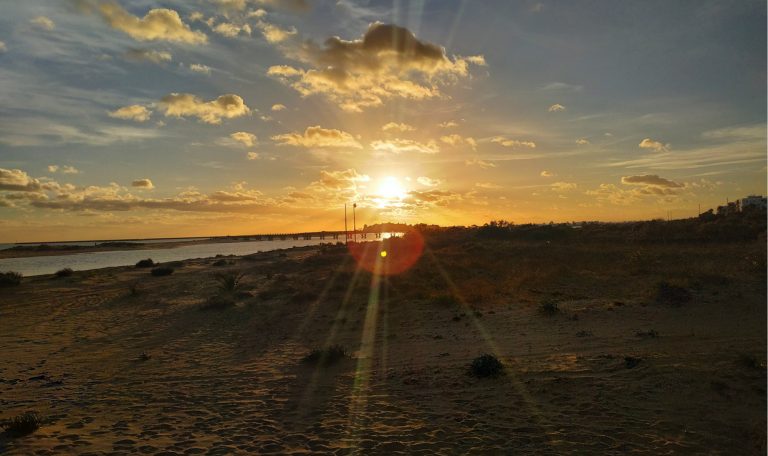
x=117 y=361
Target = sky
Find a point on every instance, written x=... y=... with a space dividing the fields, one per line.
x=134 y=119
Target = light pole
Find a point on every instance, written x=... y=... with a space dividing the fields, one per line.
x=346 y=231
x=354 y=224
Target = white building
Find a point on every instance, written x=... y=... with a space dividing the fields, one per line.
x=753 y=201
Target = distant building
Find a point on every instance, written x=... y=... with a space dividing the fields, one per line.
x=753 y=202
x=731 y=208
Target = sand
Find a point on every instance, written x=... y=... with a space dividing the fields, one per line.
x=231 y=381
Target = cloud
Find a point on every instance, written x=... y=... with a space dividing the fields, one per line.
x=513 y=142
x=136 y=113
x=149 y=55
x=291 y=5
x=275 y=34
x=488 y=185
x=428 y=182
x=481 y=163
x=247 y=139
x=386 y=62
x=159 y=24
x=3 y=47
x=338 y=180
x=448 y=124
x=200 y=68
x=556 y=108
x=278 y=107
x=392 y=126
x=561 y=187
x=546 y=173
x=650 y=179
x=211 y=112
x=648 y=143
x=143 y=183
x=66 y=169
x=18 y=180
x=231 y=30
x=398 y=146
x=643 y=186
x=432 y=197
x=43 y=23
x=562 y=86
x=739 y=133
x=582 y=141
x=252 y=156
x=318 y=137
x=458 y=140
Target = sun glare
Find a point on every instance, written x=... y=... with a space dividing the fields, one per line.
x=390 y=191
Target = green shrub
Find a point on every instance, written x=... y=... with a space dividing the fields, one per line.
x=10 y=279
x=326 y=356
x=23 y=424
x=162 y=271
x=148 y=263
x=486 y=366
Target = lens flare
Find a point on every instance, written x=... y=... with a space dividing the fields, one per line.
x=390 y=256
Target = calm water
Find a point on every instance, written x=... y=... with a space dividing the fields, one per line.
x=31 y=266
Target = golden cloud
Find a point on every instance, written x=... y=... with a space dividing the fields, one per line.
x=480 y=163
x=136 y=113
x=318 y=137
x=650 y=179
x=43 y=22
x=513 y=142
x=397 y=146
x=275 y=34
x=387 y=62
x=556 y=108
x=149 y=55
x=18 y=180
x=278 y=107
x=393 y=126
x=143 y=183
x=211 y=112
x=159 y=24
x=648 y=143
x=245 y=138
x=200 y=68
x=458 y=140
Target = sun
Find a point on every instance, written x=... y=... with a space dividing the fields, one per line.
x=391 y=191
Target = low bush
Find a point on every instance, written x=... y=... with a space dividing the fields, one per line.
x=66 y=272
x=326 y=356
x=549 y=308
x=486 y=366
x=162 y=271
x=148 y=263
x=10 y=279
x=229 y=282
x=21 y=425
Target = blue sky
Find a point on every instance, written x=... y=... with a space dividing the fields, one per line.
x=144 y=118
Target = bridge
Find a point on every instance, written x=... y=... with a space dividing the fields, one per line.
x=306 y=236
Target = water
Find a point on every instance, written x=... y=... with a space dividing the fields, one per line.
x=94 y=243
x=31 y=266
